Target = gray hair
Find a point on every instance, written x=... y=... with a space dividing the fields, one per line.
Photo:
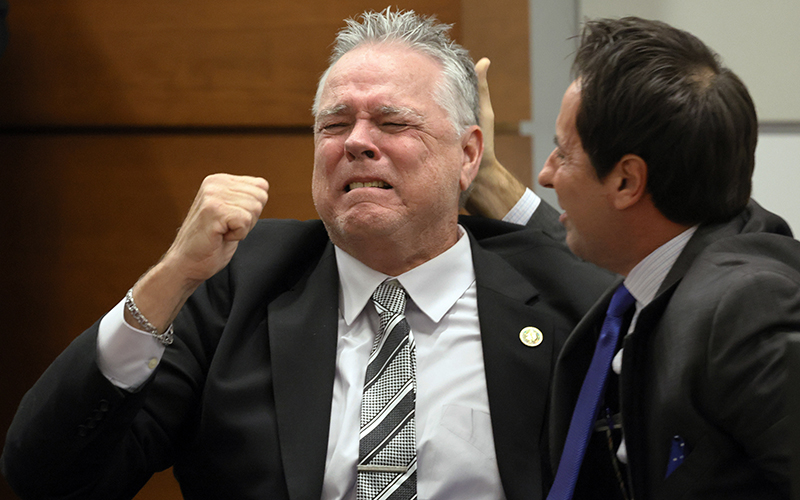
x=457 y=92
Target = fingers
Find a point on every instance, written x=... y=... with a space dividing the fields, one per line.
x=234 y=202
x=224 y=211
x=487 y=113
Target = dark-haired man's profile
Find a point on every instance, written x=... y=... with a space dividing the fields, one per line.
x=655 y=150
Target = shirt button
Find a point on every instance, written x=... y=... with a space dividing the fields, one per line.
x=152 y=363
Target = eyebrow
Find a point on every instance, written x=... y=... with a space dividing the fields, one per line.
x=342 y=109
x=336 y=110
x=405 y=112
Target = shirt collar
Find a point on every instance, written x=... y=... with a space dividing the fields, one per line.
x=434 y=286
x=646 y=277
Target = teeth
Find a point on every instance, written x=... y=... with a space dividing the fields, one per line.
x=377 y=184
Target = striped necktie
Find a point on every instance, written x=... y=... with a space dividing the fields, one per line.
x=387 y=461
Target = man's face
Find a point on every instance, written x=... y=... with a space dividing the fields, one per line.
x=588 y=214
x=387 y=161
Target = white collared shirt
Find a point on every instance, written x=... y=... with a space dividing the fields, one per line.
x=646 y=277
x=643 y=282
x=455 y=448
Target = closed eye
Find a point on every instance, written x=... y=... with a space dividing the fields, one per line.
x=394 y=126
x=558 y=151
x=332 y=126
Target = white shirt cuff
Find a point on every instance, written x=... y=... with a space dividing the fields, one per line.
x=126 y=355
x=522 y=212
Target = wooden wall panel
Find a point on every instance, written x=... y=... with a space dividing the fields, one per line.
x=515 y=153
x=183 y=62
x=499 y=30
x=92 y=212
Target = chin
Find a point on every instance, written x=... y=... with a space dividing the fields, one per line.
x=573 y=242
x=354 y=227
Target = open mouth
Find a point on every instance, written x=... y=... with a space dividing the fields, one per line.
x=376 y=184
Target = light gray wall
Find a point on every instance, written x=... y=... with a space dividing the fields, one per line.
x=759 y=40
x=777 y=177
x=552 y=25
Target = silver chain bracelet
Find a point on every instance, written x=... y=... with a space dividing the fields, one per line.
x=165 y=338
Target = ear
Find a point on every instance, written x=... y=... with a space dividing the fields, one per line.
x=472 y=148
x=629 y=181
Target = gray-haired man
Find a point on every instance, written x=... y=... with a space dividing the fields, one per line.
x=260 y=395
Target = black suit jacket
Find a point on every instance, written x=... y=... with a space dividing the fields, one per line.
x=240 y=403
x=545 y=217
x=706 y=362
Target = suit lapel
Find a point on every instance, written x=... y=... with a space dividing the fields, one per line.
x=517 y=376
x=303 y=338
x=637 y=361
x=704 y=236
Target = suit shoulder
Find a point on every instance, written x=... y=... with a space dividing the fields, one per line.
x=750 y=253
x=499 y=235
x=563 y=279
x=745 y=275
x=283 y=237
x=278 y=249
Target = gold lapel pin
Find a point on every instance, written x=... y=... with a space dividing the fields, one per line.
x=531 y=336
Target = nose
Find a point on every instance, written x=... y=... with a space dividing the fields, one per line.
x=546 y=175
x=360 y=143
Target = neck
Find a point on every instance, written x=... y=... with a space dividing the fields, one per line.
x=645 y=238
x=393 y=256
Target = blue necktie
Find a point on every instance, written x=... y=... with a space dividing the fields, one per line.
x=586 y=408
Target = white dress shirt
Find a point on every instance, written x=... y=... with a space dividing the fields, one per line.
x=522 y=211
x=643 y=282
x=455 y=448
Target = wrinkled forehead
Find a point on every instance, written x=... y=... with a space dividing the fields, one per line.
x=570 y=104
x=392 y=69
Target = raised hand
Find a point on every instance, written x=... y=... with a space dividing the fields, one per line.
x=224 y=211
x=487 y=112
x=494 y=191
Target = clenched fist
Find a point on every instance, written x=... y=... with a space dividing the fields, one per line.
x=224 y=211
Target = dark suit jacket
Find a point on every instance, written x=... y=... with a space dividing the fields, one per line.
x=546 y=218
x=240 y=404
x=706 y=363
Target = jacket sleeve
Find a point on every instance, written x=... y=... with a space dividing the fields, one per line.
x=76 y=435
x=546 y=218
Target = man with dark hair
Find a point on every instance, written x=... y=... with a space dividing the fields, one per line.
x=670 y=101
x=264 y=392
x=653 y=161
